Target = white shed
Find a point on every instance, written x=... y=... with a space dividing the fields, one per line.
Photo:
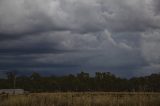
x=12 y=91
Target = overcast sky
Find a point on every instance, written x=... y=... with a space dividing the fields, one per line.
x=68 y=36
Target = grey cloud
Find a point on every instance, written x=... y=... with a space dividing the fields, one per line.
x=150 y=46
x=156 y=4
x=20 y=17
x=95 y=34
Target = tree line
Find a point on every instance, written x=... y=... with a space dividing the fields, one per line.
x=102 y=81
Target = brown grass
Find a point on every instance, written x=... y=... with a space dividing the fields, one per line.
x=82 y=99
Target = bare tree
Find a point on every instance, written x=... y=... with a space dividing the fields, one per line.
x=11 y=76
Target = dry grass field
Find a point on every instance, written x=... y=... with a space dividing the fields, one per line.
x=82 y=99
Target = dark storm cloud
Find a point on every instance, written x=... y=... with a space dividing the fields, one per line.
x=23 y=51
x=106 y=35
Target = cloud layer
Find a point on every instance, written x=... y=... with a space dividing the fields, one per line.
x=66 y=36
